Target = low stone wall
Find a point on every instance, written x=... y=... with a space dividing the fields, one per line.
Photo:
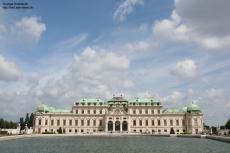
x=219 y=138
x=189 y=136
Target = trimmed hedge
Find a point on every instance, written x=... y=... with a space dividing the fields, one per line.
x=3 y=133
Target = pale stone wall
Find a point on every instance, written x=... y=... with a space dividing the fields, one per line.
x=95 y=118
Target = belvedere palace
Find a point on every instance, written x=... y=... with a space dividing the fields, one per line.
x=118 y=115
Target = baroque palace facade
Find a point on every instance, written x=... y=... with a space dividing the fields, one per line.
x=118 y=115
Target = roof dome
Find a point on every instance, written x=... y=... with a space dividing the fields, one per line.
x=193 y=107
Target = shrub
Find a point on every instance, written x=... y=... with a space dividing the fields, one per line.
x=47 y=132
x=3 y=132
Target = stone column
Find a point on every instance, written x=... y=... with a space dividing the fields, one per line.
x=113 y=126
x=128 y=126
x=121 y=126
x=106 y=125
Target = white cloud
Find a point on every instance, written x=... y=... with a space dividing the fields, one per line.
x=214 y=93
x=137 y=46
x=126 y=8
x=171 y=29
x=175 y=97
x=204 y=23
x=72 y=42
x=8 y=70
x=185 y=69
x=30 y=28
x=97 y=66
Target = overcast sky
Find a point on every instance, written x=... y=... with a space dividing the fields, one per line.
x=59 y=52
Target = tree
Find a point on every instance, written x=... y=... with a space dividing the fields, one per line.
x=214 y=130
x=7 y=124
x=31 y=120
x=227 y=125
x=172 y=131
x=27 y=119
x=22 y=123
x=222 y=127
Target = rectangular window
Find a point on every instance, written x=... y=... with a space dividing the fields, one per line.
x=40 y=122
x=94 y=111
x=195 y=121
x=140 y=122
x=152 y=111
x=183 y=123
x=82 y=122
x=171 y=122
x=140 y=111
x=177 y=122
x=165 y=122
x=134 y=123
x=100 y=123
x=152 y=122
x=58 y=122
x=76 y=111
x=159 y=122
x=88 y=122
x=46 y=122
x=82 y=111
x=100 y=111
x=159 y=111
x=64 y=122
x=76 y=122
x=134 y=111
x=146 y=122
x=146 y=111
x=94 y=122
x=88 y=111
x=52 y=122
x=70 y=122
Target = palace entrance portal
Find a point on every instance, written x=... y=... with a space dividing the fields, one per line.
x=125 y=126
x=117 y=126
x=110 y=126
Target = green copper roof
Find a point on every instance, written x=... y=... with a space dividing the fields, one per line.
x=173 y=110
x=91 y=100
x=118 y=99
x=144 y=100
x=45 y=108
x=193 y=107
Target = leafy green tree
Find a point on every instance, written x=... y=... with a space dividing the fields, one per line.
x=27 y=119
x=172 y=131
x=7 y=124
x=227 y=125
x=22 y=123
x=214 y=130
x=222 y=127
x=31 y=120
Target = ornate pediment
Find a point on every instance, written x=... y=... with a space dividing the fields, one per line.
x=117 y=111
